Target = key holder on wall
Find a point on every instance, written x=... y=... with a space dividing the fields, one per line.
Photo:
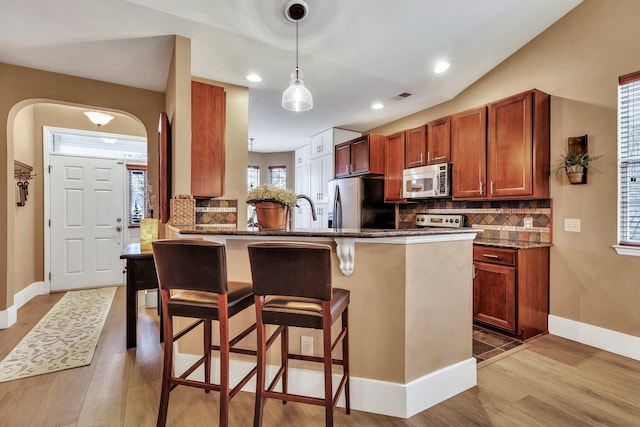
x=23 y=173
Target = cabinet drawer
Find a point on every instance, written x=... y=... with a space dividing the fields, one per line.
x=494 y=255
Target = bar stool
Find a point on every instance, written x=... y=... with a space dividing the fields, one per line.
x=292 y=287
x=192 y=276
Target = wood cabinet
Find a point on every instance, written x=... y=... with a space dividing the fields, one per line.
x=518 y=146
x=511 y=289
x=509 y=159
x=208 y=112
x=439 y=140
x=415 y=147
x=394 y=166
x=360 y=156
x=469 y=153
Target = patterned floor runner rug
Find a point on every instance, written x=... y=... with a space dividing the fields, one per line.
x=66 y=337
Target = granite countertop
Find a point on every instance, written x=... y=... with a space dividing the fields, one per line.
x=324 y=232
x=513 y=244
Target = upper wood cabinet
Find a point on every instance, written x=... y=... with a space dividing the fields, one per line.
x=360 y=156
x=208 y=112
x=469 y=154
x=507 y=159
x=395 y=158
x=415 y=147
x=439 y=140
x=518 y=146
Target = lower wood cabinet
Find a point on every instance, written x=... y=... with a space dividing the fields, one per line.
x=511 y=289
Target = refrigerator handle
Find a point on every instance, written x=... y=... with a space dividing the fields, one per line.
x=337 y=208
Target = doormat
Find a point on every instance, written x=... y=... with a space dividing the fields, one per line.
x=65 y=338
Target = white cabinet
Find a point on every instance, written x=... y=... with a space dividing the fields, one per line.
x=321 y=172
x=302 y=214
x=302 y=156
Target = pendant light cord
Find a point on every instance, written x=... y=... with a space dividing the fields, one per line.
x=297 y=69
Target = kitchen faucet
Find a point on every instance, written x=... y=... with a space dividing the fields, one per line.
x=313 y=207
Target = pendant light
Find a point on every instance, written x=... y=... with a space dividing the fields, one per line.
x=296 y=97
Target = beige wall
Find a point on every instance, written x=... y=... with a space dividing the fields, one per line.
x=284 y=158
x=21 y=87
x=27 y=255
x=577 y=61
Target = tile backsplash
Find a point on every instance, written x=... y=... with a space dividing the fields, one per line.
x=219 y=213
x=499 y=219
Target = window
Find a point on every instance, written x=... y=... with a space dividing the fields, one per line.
x=629 y=159
x=253 y=177
x=278 y=176
x=137 y=176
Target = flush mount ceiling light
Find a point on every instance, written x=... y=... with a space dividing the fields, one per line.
x=98 y=118
x=253 y=77
x=296 y=97
x=377 y=106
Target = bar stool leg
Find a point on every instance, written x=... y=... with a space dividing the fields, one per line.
x=224 y=359
x=345 y=359
x=328 y=385
x=261 y=362
x=284 y=358
x=207 y=352
x=166 y=370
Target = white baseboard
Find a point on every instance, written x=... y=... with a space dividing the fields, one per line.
x=604 y=339
x=379 y=397
x=10 y=316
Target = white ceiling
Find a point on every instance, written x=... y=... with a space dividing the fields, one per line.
x=352 y=52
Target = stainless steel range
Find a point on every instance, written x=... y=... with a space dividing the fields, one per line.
x=439 y=220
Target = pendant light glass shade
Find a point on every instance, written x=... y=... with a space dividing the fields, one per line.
x=297 y=97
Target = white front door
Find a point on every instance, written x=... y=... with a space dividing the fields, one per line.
x=87 y=220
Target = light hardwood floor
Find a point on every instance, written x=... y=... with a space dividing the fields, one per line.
x=547 y=382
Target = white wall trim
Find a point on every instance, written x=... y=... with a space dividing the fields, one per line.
x=595 y=336
x=379 y=397
x=10 y=316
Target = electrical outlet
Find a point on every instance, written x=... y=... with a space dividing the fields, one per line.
x=528 y=223
x=306 y=346
x=572 y=225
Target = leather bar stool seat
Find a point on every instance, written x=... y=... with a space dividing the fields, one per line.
x=192 y=276
x=292 y=288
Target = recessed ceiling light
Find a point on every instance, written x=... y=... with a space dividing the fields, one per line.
x=377 y=106
x=441 y=67
x=254 y=78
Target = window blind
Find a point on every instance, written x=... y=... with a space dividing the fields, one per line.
x=629 y=158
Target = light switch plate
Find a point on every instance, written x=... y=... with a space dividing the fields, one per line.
x=528 y=223
x=572 y=225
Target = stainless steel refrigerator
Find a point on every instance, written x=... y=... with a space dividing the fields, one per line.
x=359 y=203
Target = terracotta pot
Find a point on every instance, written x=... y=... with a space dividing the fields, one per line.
x=271 y=215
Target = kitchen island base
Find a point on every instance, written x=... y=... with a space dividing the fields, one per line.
x=410 y=319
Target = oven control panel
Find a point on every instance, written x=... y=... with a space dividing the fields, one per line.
x=439 y=220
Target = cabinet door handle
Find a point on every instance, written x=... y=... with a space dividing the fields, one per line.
x=421 y=157
x=428 y=156
x=491 y=256
x=491 y=186
x=481 y=192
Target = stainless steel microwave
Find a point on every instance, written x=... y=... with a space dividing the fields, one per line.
x=427 y=181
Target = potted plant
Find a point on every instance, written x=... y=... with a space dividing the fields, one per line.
x=272 y=205
x=575 y=164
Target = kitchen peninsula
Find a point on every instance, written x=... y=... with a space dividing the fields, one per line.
x=410 y=311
